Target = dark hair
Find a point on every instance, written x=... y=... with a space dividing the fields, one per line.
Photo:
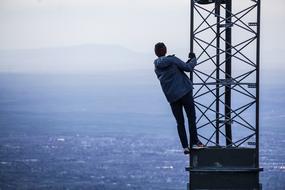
x=160 y=49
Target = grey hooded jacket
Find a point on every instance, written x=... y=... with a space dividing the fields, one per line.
x=170 y=72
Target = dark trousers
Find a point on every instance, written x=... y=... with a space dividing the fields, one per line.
x=187 y=103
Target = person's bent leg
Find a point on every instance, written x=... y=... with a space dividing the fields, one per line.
x=177 y=111
x=189 y=106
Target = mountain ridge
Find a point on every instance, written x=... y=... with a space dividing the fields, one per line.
x=87 y=58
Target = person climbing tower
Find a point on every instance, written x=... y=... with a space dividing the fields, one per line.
x=177 y=88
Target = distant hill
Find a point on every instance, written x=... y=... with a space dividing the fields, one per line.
x=75 y=59
x=94 y=59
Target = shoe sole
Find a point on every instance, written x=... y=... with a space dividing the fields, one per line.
x=198 y=147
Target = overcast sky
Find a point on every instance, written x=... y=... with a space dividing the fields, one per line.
x=135 y=24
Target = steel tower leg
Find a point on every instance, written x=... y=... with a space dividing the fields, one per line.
x=217 y=12
x=228 y=69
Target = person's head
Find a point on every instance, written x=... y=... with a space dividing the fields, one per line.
x=160 y=49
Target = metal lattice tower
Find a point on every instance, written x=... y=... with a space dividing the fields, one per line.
x=224 y=35
x=226 y=79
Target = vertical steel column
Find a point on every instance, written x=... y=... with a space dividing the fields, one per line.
x=228 y=70
x=191 y=31
x=257 y=82
x=217 y=13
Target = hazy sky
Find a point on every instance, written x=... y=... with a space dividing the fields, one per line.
x=135 y=24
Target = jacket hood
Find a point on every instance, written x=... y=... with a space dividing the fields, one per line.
x=162 y=62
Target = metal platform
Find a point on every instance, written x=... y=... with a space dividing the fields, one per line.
x=223 y=168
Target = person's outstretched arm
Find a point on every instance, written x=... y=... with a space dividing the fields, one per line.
x=188 y=67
